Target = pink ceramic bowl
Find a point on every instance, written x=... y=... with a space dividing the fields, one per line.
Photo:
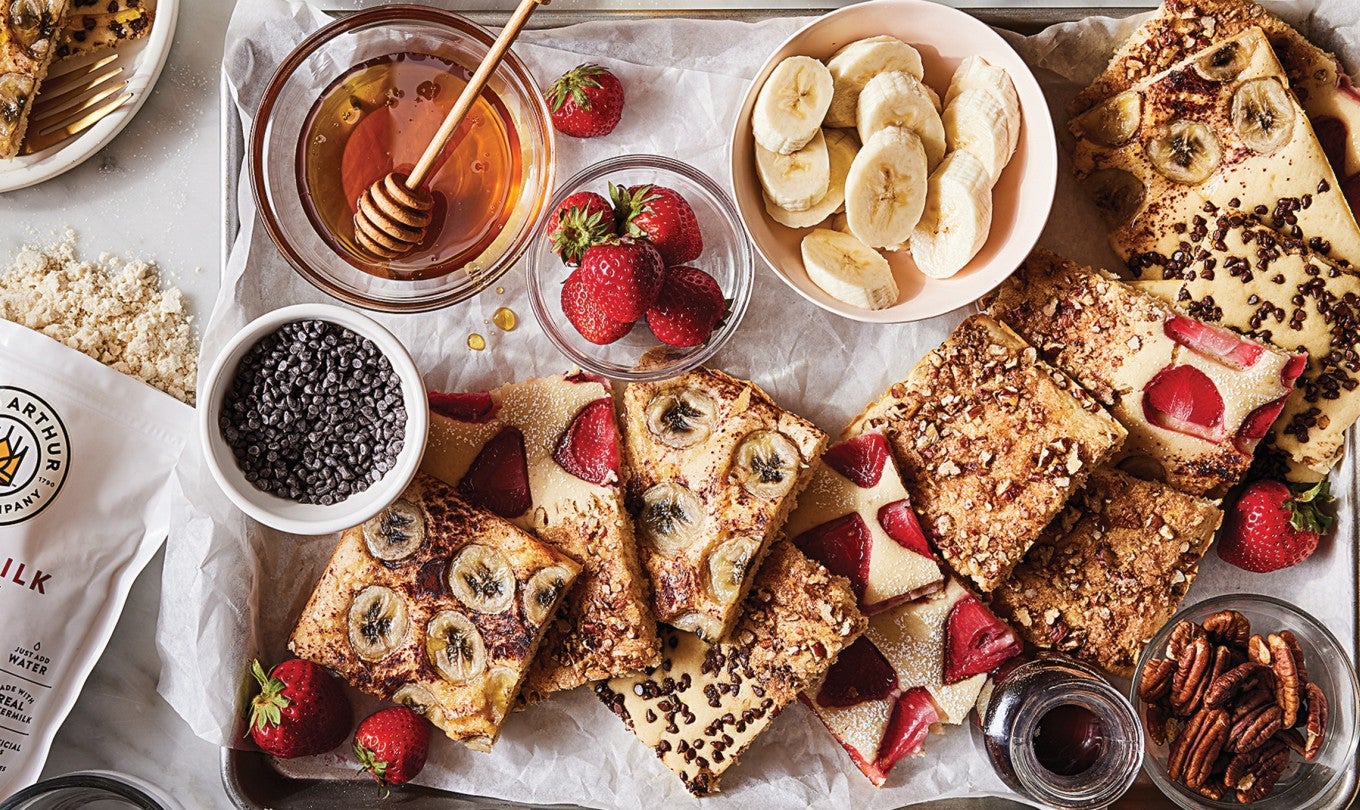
x=1021 y=199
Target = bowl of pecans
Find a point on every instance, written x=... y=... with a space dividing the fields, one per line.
x=313 y=419
x=1247 y=700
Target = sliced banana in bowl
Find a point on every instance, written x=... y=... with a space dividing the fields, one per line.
x=952 y=84
x=849 y=270
x=885 y=189
x=957 y=218
x=791 y=105
x=841 y=147
x=854 y=65
x=896 y=99
x=796 y=181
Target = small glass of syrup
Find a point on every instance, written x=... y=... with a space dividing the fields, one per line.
x=1059 y=734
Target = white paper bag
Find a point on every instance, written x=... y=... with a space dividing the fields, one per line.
x=85 y=461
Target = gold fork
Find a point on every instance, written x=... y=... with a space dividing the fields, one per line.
x=73 y=101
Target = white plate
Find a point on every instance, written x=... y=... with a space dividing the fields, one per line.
x=142 y=60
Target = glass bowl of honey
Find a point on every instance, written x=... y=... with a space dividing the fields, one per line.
x=362 y=97
x=726 y=256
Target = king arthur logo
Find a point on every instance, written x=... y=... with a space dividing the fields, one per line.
x=35 y=453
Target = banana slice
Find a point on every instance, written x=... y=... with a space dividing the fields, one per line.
x=672 y=517
x=1188 y=152
x=975 y=121
x=897 y=99
x=681 y=418
x=500 y=688
x=418 y=699
x=766 y=464
x=841 y=147
x=455 y=647
x=1118 y=195
x=791 y=104
x=848 y=270
x=798 y=180
x=377 y=623
x=1223 y=64
x=854 y=65
x=886 y=188
x=700 y=624
x=934 y=98
x=542 y=591
x=728 y=566
x=1263 y=115
x=976 y=73
x=1114 y=122
x=482 y=579
x=396 y=532
x=957 y=219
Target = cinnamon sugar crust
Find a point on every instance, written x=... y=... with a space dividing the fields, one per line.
x=1110 y=571
x=991 y=441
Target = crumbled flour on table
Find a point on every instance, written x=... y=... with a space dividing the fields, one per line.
x=112 y=310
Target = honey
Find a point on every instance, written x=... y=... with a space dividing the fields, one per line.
x=505 y=318
x=378 y=118
x=476 y=342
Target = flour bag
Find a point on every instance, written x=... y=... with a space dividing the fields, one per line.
x=85 y=467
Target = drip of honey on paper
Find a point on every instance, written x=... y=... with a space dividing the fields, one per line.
x=476 y=342
x=378 y=118
x=505 y=318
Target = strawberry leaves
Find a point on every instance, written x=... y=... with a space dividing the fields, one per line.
x=266 y=708
x=1306 y=508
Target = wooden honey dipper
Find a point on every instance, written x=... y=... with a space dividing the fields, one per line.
x=394 y=212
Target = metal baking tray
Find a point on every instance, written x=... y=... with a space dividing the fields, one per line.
x=249 y=778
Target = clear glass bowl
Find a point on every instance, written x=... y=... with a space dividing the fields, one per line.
x=727 y=257
x=1328 y=781
x=275 y=144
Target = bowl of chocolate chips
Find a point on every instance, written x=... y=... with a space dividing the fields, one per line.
x=313 y=418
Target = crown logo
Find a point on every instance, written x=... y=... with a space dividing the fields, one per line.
x=11 y=456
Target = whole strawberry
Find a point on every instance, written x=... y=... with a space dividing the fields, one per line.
x=392 y=745
x=586 y=101
x=1274 y=526
x=583 y=219
x=624 y=277
x=661 y=216
x=688 y=308
x=580 y=307
x=301 y=710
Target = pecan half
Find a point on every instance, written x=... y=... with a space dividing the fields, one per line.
x=1294 y=647
x=1228 y=627
x=1194 y=752
x=1181 y=636
x=1317 y=722
x=1156 y=682
x=1254 y=774
x=1255 y=728
x=1261 y=696
x=1155 y=723
x=1258 y=651
x=1241 y=678
x=1287 y=689
x=1213 y=789
x=1194 y=669
x=1293 y=738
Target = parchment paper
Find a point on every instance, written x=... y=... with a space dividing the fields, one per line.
x=233 y=589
